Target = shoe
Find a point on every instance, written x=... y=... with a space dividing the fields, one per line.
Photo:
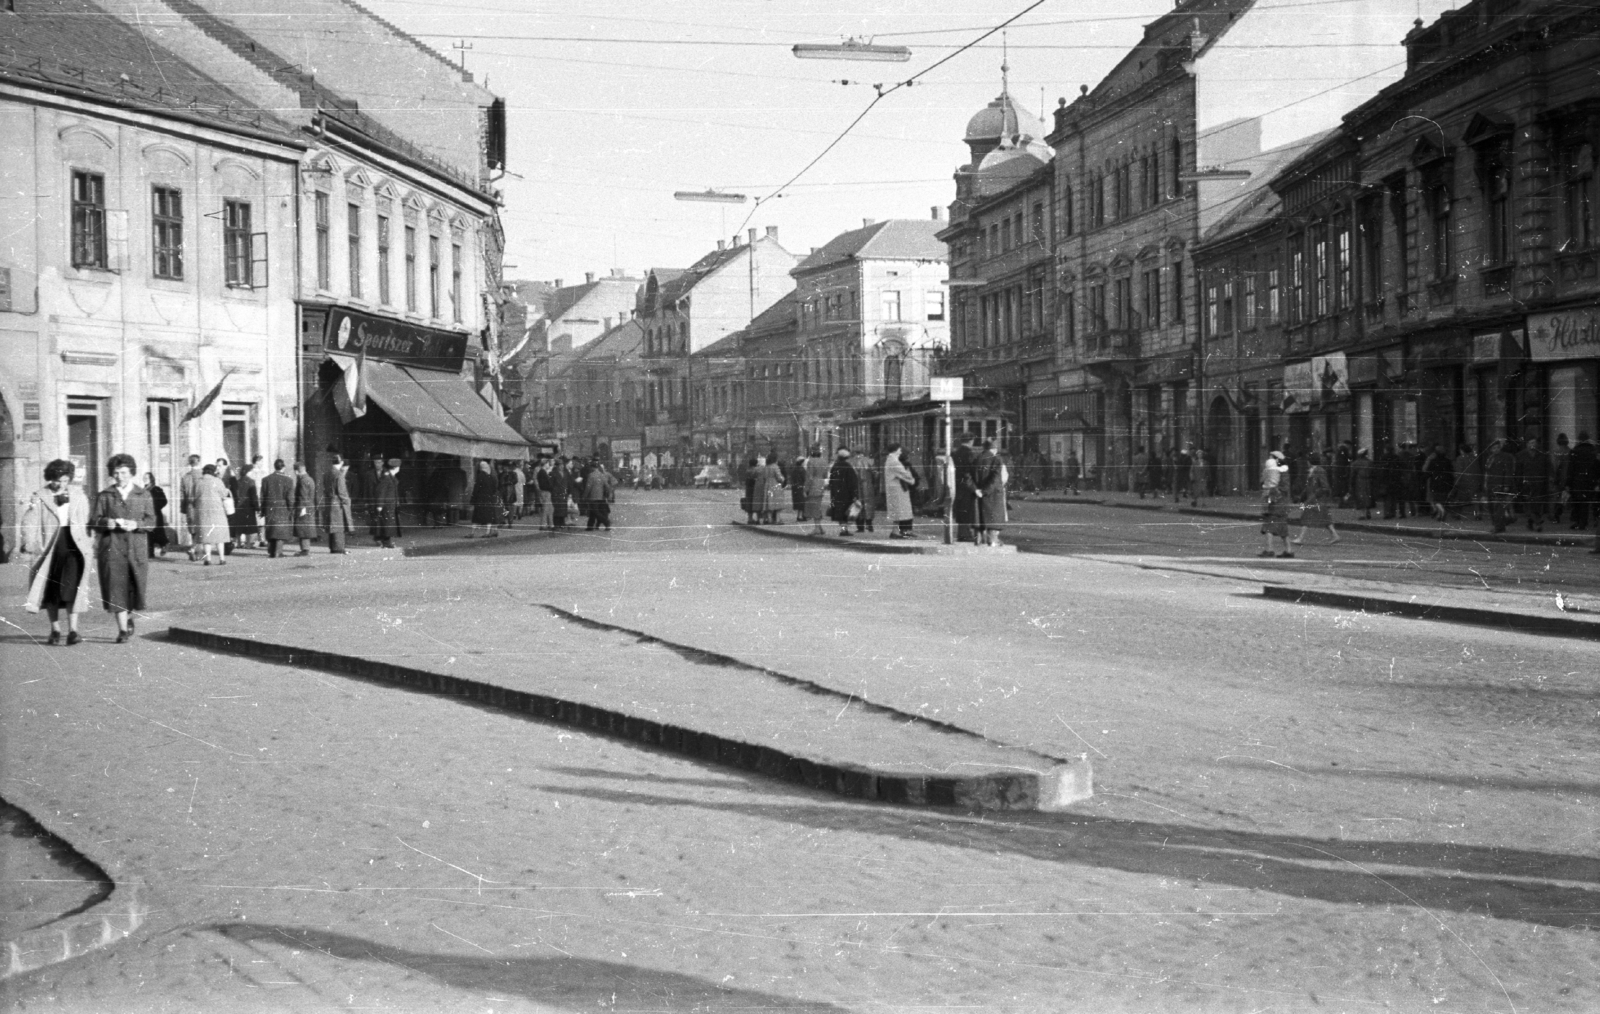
x=896 y=535
x=1286 y=556
x=844 y=532
x=54 y=638
x=1266 y=552
x=131 y=626
x=73 y=637
x=123 y=635
x=303 y=552
x=207 y=561
x=222 y=563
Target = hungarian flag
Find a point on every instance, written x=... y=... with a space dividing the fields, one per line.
x=359 y=399
x=200 y=406
x=350 y=393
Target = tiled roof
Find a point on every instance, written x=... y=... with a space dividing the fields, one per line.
x=680 y=286
x=1254 y=201
x=726 y=346
x=625 y=341
x=74 y=46
x=894 y=239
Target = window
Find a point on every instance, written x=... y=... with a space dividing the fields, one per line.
x=1005 y=235
x=1342 y=288
x=1152 y=298
x=1097 y=201
x=1211 y=301
x=1069 y=321
x=1247 y=297
x=383 y=259
x=1371 y=253
x=1036 y=233
x=433 y=276
x=891 y=306
x=1399 y=210
x=324 y=272
x=1124 y=184
x=455 y=282
x=353 y=218
x=1273 y=307
x=1096 y=322
x=1177 y=292
x=1036 y=302
x=1123 y=303
x=1580 y=196
x=166 y=220
x=1152 y=180
x=1175 y=188
x=1497 y=201
x=934 y=304
x=1067 y=225
x=88 y=220
x=1297 y=279
x=411 y=268
x=1227 y=310
x=1439 y=228
x=236 y=271
x=1320 y=303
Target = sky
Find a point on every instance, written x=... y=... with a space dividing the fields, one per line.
x=614 y=106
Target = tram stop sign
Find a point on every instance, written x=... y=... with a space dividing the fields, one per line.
x=946 y=388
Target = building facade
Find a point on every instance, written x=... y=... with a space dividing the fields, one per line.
x=146 y=259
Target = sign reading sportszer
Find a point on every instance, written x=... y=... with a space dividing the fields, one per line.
x=394 y=341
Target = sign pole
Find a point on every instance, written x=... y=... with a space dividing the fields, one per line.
x=949 y=478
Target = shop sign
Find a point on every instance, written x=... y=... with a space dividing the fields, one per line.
x=1299 y=388
x=625 y=445
x=393 y=341
x=1568 y=334
x=660 y=436
x=1332 y=375
x=1497 y=345
x=1363 y=370
x=1166 y=368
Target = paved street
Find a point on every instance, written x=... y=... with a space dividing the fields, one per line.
x=1296 y=807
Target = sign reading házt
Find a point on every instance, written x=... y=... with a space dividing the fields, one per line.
x=1568 y=334
x=394 y=341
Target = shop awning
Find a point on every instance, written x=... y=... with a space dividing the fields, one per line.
x=441 y=411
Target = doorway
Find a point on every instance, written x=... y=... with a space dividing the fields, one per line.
x=239 y=443
x=86 y=441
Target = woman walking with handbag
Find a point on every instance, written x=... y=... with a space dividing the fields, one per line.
x=212 y=506
x=123 y=516
x=55 y=535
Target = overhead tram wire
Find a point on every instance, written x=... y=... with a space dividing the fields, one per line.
x=883 y=93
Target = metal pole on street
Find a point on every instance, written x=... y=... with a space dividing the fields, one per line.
x=948 y=390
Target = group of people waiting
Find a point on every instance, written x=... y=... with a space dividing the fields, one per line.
x=1183 y=472
x=850 y=490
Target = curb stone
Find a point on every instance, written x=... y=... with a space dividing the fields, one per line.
x=1054 y=789
x=1527 y=623
x=912 y=548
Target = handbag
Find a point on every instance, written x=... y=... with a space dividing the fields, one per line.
x=228 y=506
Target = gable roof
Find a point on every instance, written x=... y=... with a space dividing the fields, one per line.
x=679 y=286
x=75 y=47
x=906 y=239
x=1255 y=201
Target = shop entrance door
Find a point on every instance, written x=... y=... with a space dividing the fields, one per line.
x=161 y=457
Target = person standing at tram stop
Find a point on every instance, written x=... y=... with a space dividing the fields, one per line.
x=867 y=482
x=964 y=505
x=989 y=476
x=335 y=513
x=55 y=538
x=898 y=482
x=123 y=516
x=844 y=486
x=816 y=482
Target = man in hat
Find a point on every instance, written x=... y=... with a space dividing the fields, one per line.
x=386 y=504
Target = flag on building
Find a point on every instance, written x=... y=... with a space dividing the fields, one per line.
x=200 y=407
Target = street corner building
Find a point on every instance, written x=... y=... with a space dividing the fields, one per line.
x=188 y=267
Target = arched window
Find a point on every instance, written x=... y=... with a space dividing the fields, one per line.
x=893 y=376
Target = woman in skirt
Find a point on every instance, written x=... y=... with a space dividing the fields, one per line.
x=1318 y=493
x=55 y=534
x=158 y=533
x=123 y=516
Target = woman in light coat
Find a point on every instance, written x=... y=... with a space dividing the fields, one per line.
x=816 y=487
x=897 y=485
x=55 y=535
x=211 y=515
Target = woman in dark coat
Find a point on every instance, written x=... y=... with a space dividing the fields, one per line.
x=989 y=475
x=844 y=488
x=246 y=505
x=386 y=505
x=158 y=534
x=55 y=535
x=797 y=488
x=558 y=495
x=485 y=502
x=123 y=516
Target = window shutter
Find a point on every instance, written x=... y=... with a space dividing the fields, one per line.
x=5 y=288
x=116 y=240
x=258 y=260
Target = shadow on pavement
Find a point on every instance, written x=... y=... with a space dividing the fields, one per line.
x=1462 y=781
x=734 y=780
x=574 y=984
x=1480 y=880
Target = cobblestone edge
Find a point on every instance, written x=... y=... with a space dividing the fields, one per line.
x=916 y=548
x=1527 y=623
x=103 y=924
x=1053 y=789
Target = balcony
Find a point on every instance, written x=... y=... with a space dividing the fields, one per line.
x=1109 y=346
x=1442 y=291
x=1374 y=311
x=1497 y=281
x=1578 y=269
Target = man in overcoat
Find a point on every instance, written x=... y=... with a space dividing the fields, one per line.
x=386 y=504
x=844 y=488
x=277 y=507
x=965 y=504
x=189 y=501
x=336 y=515
x=305 y=508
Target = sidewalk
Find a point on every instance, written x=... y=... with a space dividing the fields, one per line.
x=1245 y=508
x=927 y=538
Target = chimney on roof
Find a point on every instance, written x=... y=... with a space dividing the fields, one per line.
x=616 y=272
x=772 y=233
x=752 y=235
x=868 y=221
x=815 y=249
x=588 y=278
x=938 y=213
x=722 y=244
x=558 y=283
x=608 y=323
